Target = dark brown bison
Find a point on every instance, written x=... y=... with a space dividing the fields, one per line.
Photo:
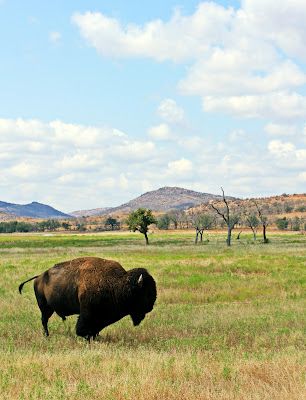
x=99 y=290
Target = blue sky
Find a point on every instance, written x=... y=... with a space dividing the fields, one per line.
x=101 y=101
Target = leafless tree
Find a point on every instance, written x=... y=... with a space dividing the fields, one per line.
x=230 y=220
x=264 y=221
x=238 y=236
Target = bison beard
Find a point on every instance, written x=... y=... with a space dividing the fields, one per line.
x=99 y=290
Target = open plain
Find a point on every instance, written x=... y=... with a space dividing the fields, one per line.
x=229 y=323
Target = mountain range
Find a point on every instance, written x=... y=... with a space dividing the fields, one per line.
x=163 y=199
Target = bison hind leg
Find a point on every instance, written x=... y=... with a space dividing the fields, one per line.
x=46 y=311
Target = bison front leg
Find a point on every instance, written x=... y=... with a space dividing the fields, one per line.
x=85 y=327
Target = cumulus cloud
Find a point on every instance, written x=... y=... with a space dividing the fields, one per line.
x=170 y=111
x=179 y=39
x=160 y=132
x=180 y=167
x=54 y=156
x=287 y=154
x=278 y=105
x=280 y=129
x=241 y=61
x=281 y=149
x=233 y=72
x=53 y=163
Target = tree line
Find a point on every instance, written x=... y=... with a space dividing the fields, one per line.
x=228 y=214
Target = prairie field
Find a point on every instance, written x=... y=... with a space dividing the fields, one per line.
x=229 y=323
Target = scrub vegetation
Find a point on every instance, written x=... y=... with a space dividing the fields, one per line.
x=229 y=323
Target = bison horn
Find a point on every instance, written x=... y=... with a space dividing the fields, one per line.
x=140 y=280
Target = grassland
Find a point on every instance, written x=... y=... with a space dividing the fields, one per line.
x=228 y=323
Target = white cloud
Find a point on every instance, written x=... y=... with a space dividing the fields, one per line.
x=21 y=128
x=267 y=16
x=178 y=39
x=170 y=111
x=160 y=132
x=288 y=155
x=193 y=143
x=133 y=151
x=60 y=156
x=280 y=129
x=278 y=105
x=25 y=169
x=57 y=166
x=235 y=72
x=180 y=167
x=242 y=61
x=281 y=149
x=80 y=161
x=68 y=178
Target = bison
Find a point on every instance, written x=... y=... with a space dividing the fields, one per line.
x=100 y=291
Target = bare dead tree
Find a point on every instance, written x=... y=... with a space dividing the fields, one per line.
x=230 y=220
x=264 y=222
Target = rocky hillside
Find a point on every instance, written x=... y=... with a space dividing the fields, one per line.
x=163 y=199
x=282 y=206
x=32 y=210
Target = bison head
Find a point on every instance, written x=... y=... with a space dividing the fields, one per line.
x=143 y=290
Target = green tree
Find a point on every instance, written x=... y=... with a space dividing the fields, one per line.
x=139 y=220
x=80 y=226
x=48 y=225
x=201 y=222
x=288 y=208
x=282 y=223
x=163 y=222
x=252 y=222
x=174 y=218
x=296 y=224
x=66 y=226
x=112 y=222
x=24 y=227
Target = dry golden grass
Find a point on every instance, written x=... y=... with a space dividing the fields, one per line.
x=229 y=324
x=99 y=371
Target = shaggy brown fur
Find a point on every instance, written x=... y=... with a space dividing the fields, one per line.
x=99 y=290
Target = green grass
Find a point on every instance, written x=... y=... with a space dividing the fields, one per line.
x=229 y=323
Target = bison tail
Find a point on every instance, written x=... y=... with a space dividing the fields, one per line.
x=21 y=285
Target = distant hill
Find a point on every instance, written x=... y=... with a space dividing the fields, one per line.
x=32 y=210
x=163 y=199
x=90 y=213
